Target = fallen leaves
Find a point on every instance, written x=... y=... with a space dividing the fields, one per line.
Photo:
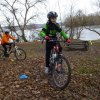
x=84 y=85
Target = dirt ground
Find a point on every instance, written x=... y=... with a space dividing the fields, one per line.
x=84 y=85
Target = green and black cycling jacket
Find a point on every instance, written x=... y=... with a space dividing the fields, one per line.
x=52 y=30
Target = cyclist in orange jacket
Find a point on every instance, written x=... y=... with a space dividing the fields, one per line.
x=5 y=41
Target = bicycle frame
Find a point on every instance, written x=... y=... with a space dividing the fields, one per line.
x=56 y=47
x=13 y=48
x=55 y=52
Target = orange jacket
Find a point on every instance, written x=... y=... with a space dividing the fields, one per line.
x=5 y=38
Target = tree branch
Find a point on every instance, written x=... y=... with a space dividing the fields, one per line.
x=92 y=30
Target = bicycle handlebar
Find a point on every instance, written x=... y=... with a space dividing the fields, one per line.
x=55 y=40
x=14 y=43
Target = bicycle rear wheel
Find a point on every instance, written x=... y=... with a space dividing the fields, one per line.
x=61 y=72
x=20 y=54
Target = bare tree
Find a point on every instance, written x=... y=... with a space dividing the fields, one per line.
x=69 y=21
x=97 y=4
x=79 y=22
x=24 y=19
x=1 y=28
x=10 y=23
x=92 y=29
x=75 y=23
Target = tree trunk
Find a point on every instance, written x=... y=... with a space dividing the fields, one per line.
x=23 y=36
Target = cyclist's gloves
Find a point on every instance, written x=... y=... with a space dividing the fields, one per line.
x=68 y=41
x=47 y=38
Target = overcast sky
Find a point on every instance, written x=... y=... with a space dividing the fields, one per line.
x=86 y=5
x=52 y=5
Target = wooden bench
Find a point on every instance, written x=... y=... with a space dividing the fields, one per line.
x=78 y=45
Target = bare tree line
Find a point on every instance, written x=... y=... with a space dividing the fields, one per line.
x=13 y=12
x=76 y=22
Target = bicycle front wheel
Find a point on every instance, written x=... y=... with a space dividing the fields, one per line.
x=61 y=73
x=20 y=54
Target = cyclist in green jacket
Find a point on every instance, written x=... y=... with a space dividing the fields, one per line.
x=49 y=31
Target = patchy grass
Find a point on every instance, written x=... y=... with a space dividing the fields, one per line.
x=88 y=70
x=97 y=59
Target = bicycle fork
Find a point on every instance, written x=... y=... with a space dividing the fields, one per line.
x=16 y=50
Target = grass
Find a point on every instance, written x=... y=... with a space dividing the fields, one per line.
x=97 y=59
x=87 y=70
x=96 y=43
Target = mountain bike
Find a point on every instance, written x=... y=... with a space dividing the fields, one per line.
x=60 y=69
x=19 y=53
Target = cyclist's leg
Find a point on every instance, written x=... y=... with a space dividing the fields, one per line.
x=48 y=51
x=7 y=53
x=5 y=49
x=60 y=48
x=10 y=46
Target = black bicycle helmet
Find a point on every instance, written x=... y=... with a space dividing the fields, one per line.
x=52 y=15
x=6 y=31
